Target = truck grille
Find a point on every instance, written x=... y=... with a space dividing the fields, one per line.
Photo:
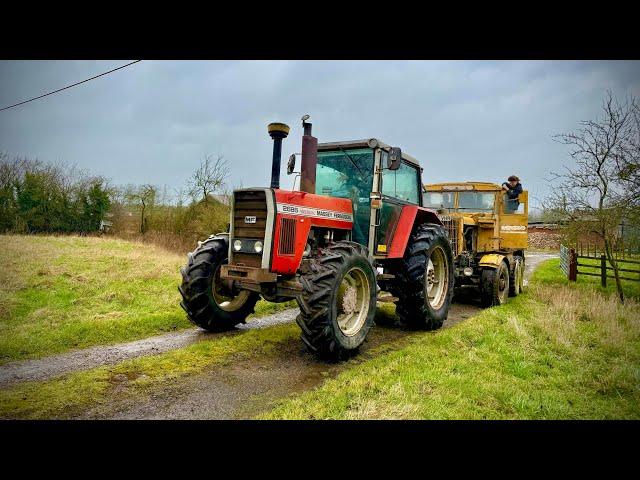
x=287 y=236
x=451 y=227
x=249 y=221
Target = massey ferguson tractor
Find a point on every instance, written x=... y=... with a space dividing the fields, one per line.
x=356 y=232
x=488 y=233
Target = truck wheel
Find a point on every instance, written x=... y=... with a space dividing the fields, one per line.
x=338 y=301
x=208 y=302
x=515 y=279
x=425 y=279
x=494 y=285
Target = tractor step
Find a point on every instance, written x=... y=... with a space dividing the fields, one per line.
x=386 y=276
x=386 y=297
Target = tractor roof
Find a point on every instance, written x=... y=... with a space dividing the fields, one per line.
x=462 y=186
x=364 y=143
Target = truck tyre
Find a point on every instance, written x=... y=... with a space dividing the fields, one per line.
x=494 y=285
x=425 y=279
x=516 y=277
x=207 y=301
x=338 y=301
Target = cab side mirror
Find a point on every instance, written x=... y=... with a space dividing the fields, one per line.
x=394 y=159
x=291 y=164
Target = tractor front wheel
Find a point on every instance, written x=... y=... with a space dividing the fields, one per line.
x=209 y=303
x=338 y=301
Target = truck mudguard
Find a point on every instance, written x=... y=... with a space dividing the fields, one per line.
x=491 y=260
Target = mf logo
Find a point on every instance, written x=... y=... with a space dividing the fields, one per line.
x=249 y=219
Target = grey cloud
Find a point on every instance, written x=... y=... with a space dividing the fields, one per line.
x=154 y=121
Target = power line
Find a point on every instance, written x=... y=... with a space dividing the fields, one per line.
x=69 y=86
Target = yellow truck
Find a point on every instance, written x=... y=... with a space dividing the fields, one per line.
x=488 y=235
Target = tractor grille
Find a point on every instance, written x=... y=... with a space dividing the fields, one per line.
x=287 y=236
x=451 y=227
x=249 y=221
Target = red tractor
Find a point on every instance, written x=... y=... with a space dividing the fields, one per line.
x=355 y=229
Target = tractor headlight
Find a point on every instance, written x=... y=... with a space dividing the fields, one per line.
x=237 y=245
x=468 y=271
x=257 y=247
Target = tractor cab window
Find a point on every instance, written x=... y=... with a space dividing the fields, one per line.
x=348 y=174
x=439 y=200
x=402 y=184
x=476 y=201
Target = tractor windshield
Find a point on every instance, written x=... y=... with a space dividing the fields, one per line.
x=348 y=174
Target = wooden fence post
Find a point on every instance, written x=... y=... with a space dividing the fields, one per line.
x=603 y=271
x=573 y=265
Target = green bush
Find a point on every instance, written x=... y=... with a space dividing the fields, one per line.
x=37 y=197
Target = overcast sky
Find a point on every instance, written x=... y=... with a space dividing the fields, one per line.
x=154 y=121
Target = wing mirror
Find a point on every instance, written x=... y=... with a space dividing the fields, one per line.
x=291 y=164
x=394 y=159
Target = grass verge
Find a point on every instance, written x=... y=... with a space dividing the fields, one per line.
x=59 y=293
x=560 y=351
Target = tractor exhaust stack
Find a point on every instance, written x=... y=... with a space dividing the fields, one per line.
x=309 y=160
x=277 y=131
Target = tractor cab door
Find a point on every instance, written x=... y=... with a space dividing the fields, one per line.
x=513 y=222
x=398 y=188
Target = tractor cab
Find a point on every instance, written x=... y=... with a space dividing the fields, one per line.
x=377 y=185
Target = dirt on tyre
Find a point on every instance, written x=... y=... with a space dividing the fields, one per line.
x=208 y=302
x=338 y=301
x=494 y=285
x=425 y=279
x=516 y=277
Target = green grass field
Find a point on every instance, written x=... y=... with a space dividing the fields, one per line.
x=561 y=351
x=69 y=292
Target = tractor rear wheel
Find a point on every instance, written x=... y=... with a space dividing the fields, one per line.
x=338 y=301
x=494 y=285
x=425 y=279
x=516 y=277
x=206 y=299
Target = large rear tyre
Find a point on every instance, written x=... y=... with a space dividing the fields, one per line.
x=338 y=301
x=494 y=285
x=424 y=279
x=208 y=302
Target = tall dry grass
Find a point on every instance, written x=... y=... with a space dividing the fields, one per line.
x=614 y=325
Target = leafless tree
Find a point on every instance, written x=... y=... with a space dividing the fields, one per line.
x=144 y=196
x=209 y=178
x=601 y=188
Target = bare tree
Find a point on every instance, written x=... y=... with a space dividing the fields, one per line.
x=144 y=196
x=598 y=191
x=209 y=178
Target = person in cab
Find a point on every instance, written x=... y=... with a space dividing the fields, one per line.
x=513 y=189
